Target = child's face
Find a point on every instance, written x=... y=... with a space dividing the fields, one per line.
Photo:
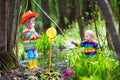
x=30 y=21
x=88 y=36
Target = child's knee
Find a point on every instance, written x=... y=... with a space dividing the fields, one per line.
x=30 y=54
x=35 y=55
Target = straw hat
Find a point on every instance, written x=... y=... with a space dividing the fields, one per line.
x=28 y=15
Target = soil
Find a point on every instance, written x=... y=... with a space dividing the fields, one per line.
x=24 y=73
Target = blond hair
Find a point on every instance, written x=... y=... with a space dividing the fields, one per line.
x=90 y=32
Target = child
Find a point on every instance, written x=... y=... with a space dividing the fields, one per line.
x=91 y=46
x=29 y=35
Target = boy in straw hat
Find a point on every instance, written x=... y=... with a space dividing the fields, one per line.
x=90 y=45
x=29 y=35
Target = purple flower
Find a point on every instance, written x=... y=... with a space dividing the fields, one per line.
x=67 y=74
x=73 y=73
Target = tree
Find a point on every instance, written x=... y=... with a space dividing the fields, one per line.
x=108 y=39
x=107 y=13
x=29 y=2
x=46 y=21
x=118 y=4
x=62 y=13
x=86 y=10
x=8 y=31
x=71 y=10
x=79 y=19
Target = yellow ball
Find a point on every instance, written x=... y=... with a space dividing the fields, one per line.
x=51 y=33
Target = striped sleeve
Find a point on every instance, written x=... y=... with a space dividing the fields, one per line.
x=97 y=48
x=79 y=44
x=82 y=43
x=32 y=36
x=25 y=32
x=29 y=34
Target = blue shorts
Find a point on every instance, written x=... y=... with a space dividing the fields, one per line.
x=32 y=54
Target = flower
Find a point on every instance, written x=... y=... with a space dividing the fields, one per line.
x=68 y=73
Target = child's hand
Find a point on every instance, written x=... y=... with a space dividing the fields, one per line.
x=76 y=44
x=72 y=42
x=37 y=36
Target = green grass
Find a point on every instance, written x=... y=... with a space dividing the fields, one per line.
x=102 y=66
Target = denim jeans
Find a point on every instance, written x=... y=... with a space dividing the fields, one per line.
x=32 y=54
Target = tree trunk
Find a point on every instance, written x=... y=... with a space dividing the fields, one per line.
x=86 y=11
x=54 y=3
x=8 y=33
x=108 y=39
x=3 y=35
x=71 y=10
x=62 y=14
x=79 y=18
x=107 y=13
x=46 y=21
x=29 y=5
x=118 y=1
